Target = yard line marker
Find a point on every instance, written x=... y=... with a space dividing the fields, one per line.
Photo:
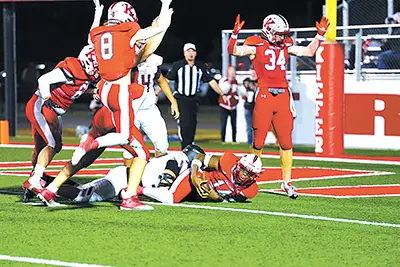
x=265 y=155
x=48 y=262
x=273 y=213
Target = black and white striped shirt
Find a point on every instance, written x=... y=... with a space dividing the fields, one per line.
x=188 y=77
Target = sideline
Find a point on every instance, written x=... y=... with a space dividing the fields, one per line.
x=48 y=262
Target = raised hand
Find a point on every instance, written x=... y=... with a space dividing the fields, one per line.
x=322 y=26
x=238 y=25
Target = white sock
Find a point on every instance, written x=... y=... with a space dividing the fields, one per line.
x=37 y=173
x=53 y=188
x=112 y=139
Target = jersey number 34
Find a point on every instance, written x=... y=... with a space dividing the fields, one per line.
x=274 y=61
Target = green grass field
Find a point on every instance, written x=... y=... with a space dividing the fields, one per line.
x=268 y=231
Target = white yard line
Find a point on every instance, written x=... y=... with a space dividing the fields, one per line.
x=48 y=262
x=282 y=214
x=312 y=158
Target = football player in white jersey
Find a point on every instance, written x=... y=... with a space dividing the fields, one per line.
x=148 y=118
x=160 y=180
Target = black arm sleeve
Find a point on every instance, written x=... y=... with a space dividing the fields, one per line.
x=172 y=73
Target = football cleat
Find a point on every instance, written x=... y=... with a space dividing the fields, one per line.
x=289 y=189
x=32 y=185
x=133 y=203
x=27 y=196
x=48 y=198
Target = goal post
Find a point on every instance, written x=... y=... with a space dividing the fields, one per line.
x=329 y=129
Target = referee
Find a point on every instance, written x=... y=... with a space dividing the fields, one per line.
x=187 y=74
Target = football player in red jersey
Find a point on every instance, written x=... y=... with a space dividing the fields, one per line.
x=120 y=45
x=57 y=90
x=273 y=104
x=226 y=177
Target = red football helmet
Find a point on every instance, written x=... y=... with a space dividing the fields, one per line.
x=121 y=12
x=247 y=170
x=275 y=28
x=87 y=58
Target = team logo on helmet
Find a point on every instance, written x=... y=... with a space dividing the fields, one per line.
x=275 y=28
x=87 y=58
x=121 y=12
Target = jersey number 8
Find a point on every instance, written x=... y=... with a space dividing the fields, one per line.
x=106 y=46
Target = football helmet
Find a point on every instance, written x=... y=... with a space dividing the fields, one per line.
x=191 y=151
x=247 y=169
x=121 y=12
x=275 y=28
x=87 y=58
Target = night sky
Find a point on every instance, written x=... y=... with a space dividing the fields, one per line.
x=49 y=32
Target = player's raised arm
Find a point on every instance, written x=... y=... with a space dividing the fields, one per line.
x=163 y=23
x=98 y=12
x=233 y=48
x=311 y=48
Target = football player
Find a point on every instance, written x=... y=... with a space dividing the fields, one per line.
x=274 y=103
x=159 y=180
x=57 y=90
x=120 y=45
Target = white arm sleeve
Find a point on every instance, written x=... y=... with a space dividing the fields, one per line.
x=52 y=77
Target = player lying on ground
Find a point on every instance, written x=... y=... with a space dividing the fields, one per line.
x=274 y=102
x=57 y=90
x=158 y=179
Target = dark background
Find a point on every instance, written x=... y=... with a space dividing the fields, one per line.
x=50 y=31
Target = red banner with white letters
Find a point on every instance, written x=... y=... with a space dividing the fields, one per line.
x=329 y=100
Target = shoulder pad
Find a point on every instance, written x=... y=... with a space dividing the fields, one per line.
x=253 y=41
x=155 y=60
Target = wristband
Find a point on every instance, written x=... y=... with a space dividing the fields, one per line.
x=234 y=36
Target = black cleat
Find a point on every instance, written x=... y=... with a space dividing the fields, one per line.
x=28 y=194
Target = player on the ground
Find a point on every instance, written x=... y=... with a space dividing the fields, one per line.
x=56 y=92
x=226 y=177
x=120 y=45
x=158 y=180
x=273 y=103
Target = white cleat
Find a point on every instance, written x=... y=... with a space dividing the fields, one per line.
x=289 y=189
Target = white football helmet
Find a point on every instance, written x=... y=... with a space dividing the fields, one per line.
x=274 y=28
x=247 y=169
x=87 y=58
x=121 y=12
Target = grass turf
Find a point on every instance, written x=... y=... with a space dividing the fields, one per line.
x=177 y=236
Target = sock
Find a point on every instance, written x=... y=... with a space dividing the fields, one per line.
x=37 y=173
x=53 y=188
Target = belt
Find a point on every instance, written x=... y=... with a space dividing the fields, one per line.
x=276 y=91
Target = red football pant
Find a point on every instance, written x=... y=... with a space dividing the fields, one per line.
x=46 y=128
x=276 y=110
x=118 y=99
x=181 y=186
